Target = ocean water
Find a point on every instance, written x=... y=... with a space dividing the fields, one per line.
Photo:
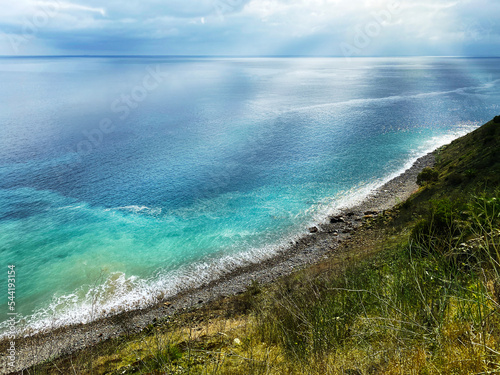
x=126 y=179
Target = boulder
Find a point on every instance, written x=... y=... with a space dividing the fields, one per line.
x=313 y=230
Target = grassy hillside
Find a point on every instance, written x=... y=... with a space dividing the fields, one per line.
x=416 y=290
x=470 y=164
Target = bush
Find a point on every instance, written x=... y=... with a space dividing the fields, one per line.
x=427 y=175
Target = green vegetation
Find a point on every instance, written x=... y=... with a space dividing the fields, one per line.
x=427 y=175
x=415 y=291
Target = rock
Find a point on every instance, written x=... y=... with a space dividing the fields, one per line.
x=337 y=219
x=351 y=214
x=371 y=213
x=313 y=230
x=368 y=217
x=167 y=303
x=335 y=234
x=496 y=120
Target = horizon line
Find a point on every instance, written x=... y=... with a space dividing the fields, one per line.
x=249 y=56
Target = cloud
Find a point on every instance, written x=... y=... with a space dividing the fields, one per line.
x=65 y=6
x=316 y=27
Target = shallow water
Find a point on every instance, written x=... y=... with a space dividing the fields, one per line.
x=122 y=179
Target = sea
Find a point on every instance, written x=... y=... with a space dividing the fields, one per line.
x=127 y=179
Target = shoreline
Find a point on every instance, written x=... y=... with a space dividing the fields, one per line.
x=321 y=243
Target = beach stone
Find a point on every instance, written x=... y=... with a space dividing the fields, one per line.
x=313 y=230
x=337 y=219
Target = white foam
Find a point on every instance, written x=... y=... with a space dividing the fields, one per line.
x=119 y=293
x=359 y=193
x=396 y=98
x=155 y=211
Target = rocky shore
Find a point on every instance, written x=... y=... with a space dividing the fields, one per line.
x=321 y=242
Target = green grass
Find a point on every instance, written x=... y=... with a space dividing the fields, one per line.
x=410 y=296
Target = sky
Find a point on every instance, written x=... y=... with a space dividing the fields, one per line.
x=348 y=28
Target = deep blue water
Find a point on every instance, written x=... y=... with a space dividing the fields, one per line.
x=124 y=178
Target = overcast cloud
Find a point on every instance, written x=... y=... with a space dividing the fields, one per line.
x=251 y=27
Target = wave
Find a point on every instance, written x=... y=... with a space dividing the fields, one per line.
x=153 y=211
x=396 y=98
x=118 y=293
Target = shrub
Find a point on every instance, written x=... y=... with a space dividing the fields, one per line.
x=427 y=175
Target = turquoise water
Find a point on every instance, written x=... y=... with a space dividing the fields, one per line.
x=125 y=179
